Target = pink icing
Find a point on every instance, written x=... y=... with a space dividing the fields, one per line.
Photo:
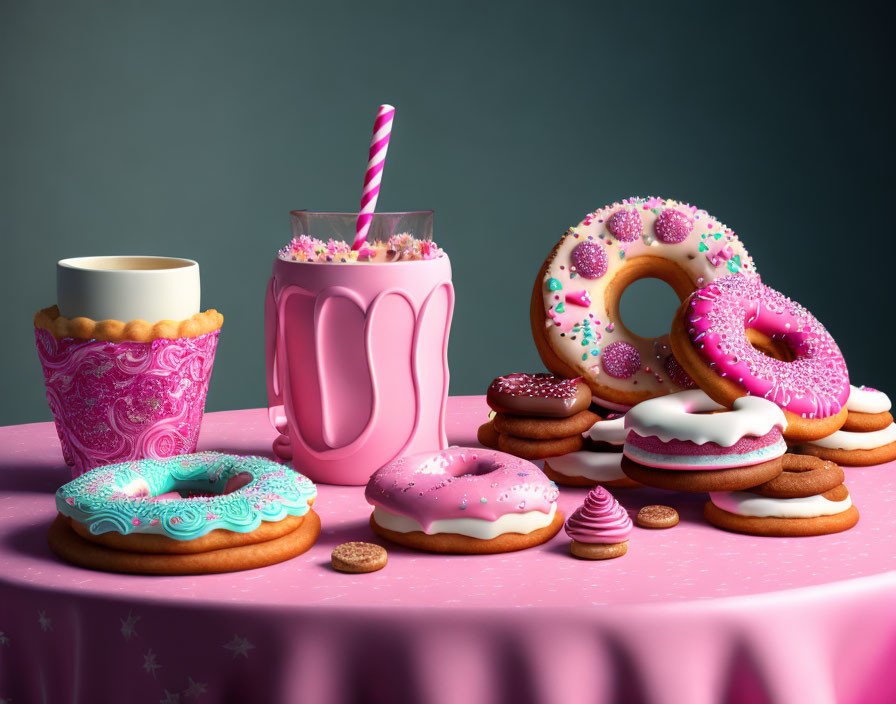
x=460 y=482
x=814 y=385
x=600 y=520
x=114 y=402
x=590 y=259
x=748 y=443
x=673 y=226
x=625 y=225
x=621 y=360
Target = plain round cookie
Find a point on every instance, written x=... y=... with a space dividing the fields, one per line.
x=545 y=428
x=487 y=436
x=866 y=422
x=851 y=458
x=803 y=475
x=597 y=551
x=736 y=479
x=538 y=449
x=657 y=517
x=566 y=480
x=781 y=527
x=72 y=548
x=358 y=558
x=454 y=543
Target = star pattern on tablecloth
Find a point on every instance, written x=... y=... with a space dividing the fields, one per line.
x=239 y=646
x=128 y=624
x=150 y=664
x=170 y=698
x=46 y=624
x=194 y=689
x=4 y=639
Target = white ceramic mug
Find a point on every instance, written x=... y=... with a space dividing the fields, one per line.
x=128 y=288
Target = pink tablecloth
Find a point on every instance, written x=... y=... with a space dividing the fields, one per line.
x=692 y=614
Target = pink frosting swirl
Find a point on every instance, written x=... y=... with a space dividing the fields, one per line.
x=600 y=520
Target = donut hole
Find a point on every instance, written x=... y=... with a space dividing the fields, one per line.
x=182 y=489
x=461 y=465
x=647 y=307
x=773 y=347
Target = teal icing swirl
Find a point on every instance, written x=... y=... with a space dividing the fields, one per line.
x=120 y=498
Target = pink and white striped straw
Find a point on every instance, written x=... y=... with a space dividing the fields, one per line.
x=382 y=130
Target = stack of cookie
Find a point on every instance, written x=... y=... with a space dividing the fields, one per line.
x=537 y=415
x=867 y=437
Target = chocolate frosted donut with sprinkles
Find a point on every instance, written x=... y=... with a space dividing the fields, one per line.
x=574 y=310
x=721 y=336
x=544 y=395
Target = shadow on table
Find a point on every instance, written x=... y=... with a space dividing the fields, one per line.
x=30 y=540
x=38 y=480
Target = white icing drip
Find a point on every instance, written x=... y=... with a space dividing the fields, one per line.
x=473 y=527
x=597 y=466
x=685 y=462
x=867 y=401
x=678 y=417
x=609 y=431
x=743 y=503
x=845 y=440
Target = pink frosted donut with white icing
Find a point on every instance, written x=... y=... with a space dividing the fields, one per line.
x=464 y=500
x=575 y=302
x=715 y=337
x=690 y=431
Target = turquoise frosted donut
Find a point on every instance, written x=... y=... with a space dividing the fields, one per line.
x=217 y=491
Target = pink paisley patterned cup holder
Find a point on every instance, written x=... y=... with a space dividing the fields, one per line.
x=119 y=401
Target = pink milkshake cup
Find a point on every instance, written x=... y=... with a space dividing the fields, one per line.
x=356 y=345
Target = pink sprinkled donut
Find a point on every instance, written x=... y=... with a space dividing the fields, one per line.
x=713 y=338
x=463 y=500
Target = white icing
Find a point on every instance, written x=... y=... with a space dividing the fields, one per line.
x=845 y=440
x=609 y=431
x=743 y=503
x=685 y=462
x=473 y=527
x=678 y=417
x=867 y=401
x=597 y=466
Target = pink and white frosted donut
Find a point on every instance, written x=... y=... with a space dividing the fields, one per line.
x=575 y=302
x=689 y=430
x=688 y=442
x=463 y=500
x=738 y=336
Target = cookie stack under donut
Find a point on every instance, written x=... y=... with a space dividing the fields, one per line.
x=537 y=416
x=868 y=437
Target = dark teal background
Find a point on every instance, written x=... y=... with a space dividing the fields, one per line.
x=191 y=128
